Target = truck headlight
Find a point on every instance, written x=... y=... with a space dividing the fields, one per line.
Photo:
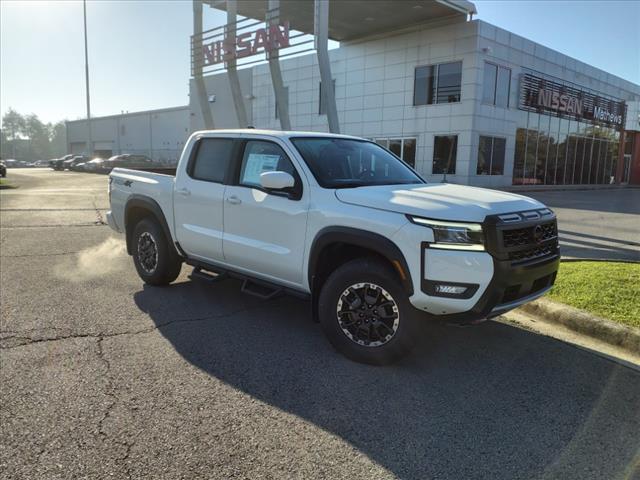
x=454 y=235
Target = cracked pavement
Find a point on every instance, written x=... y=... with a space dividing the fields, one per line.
x=103 y=377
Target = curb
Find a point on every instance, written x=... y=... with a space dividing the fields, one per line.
x=580 y=321
x=602 y=260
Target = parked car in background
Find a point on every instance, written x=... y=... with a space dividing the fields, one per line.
x=12 y=163
x=3 y=169
x=78 y=167
x=68 y=164
x=58 y=163
x=94 y=166
x=126 y=160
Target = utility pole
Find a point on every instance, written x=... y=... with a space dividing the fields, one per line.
x=86 y=72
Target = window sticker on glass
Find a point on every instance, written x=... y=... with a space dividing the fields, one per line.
x=256 y=164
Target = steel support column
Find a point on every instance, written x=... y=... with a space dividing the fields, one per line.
x=201 y=89
x=86 y=72
x=231 y=64
x=328 y=97
x=282 y=100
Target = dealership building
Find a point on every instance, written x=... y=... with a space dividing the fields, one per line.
x=459 y=99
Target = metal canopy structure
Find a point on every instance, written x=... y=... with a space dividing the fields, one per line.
x=354 y=19
x=340 y=20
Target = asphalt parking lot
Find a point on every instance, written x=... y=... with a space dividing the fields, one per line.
x=104 y=377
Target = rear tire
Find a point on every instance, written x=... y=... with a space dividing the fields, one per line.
x=366 y=314
x=155 y=258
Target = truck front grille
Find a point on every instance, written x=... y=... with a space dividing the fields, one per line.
x=526 y=236
x=531 y=253
x=523 y=237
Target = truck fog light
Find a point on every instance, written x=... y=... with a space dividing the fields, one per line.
x=450 y=289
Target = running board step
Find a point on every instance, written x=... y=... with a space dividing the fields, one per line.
x=210 y=277
x=264 y=292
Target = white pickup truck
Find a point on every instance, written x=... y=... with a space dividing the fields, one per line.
x=342 y=221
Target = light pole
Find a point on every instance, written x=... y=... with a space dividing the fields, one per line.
x=86 y=72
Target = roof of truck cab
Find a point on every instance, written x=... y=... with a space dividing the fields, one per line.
x=273 y=133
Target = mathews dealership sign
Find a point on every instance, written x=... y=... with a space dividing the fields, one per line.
x=545 y=96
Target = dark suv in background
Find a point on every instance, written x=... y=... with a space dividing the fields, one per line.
x=76 y=160
x=58 y=163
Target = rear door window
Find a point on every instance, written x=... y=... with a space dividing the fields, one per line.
x=212 y=159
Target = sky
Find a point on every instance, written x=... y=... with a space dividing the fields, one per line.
x=139 y=50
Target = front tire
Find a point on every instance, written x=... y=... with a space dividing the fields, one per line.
x=365 y=313
x=155 y=259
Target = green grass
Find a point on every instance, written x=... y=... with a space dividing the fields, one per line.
x=606 y=289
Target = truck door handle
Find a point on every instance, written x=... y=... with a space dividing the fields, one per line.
x=185 y=192
x=233 y=200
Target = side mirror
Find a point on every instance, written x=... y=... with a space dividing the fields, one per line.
x=276 y=180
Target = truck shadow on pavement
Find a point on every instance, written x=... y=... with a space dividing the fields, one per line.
x=491 y=401
x=596 y=247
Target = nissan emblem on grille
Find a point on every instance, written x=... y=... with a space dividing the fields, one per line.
x=538 y=234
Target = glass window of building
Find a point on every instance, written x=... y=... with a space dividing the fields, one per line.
x=424 y=85
x=491 y=152
x=503 y=87
x=395 y=146
x=404 y=148
x=554 y=151
x=489 y=85
x=440 y=83
x=409 y=151
x=445 y=149
x=497 y=85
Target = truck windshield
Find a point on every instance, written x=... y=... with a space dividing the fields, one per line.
x=348 y=163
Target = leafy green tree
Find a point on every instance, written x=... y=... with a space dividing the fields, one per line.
x=13 y=126
x=26 y=137
x=38 y=134
x=58 y=139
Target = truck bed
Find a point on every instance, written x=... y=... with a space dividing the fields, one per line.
x=171 y=171
x=153 y=183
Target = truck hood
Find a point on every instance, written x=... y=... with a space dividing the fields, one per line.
x=440 y=201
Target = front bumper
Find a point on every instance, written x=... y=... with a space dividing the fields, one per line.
x=514 y=286
x=516 y=268
x=504 y=287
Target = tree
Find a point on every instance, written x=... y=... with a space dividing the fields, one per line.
x=25 y=137
x=13 y=126
x=58 y=139
x=38 y=135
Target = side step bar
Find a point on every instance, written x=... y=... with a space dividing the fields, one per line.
x=253 y=286
x=260 y=290
x=210 y=277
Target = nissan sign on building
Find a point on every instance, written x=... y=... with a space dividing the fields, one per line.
x=565 y=100
x=246 y=44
